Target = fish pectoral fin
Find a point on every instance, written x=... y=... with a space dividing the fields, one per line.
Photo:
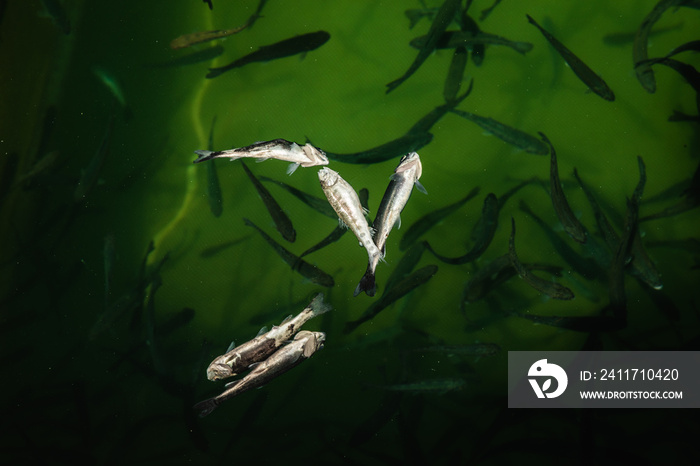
x=309 y=347
x=262 y=330
x=397 y=223
x=231 y=346
x=292 y=168
x=420 y=187
x=261 y=159
x=231 y=384
x=286 y=319
x=254 y=365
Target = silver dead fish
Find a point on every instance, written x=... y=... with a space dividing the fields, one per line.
x=280 y=149
x=396 y=196
x=346 y=204
x=305 y=344
x=262 y=346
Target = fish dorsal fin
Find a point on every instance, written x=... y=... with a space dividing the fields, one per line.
x=286 y=319
x=262 y=330
x=420 y=187
x=292 y=168
x=231 y=346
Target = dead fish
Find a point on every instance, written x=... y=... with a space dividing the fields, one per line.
x=285 y=48
x=551 y=289
x=453 y=39
x=571 y=224
x=443 y=18
x=282 y=221
x=580 y=69
x=425 y=223
x=280 y=149
x=513 y=136
x=304 y=345
x=396 y=292
x=488 y=222
x=259 y=348
x=307 y=270
x=405 y=177
x=344 y=200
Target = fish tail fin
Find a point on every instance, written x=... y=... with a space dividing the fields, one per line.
x=205 y=407
x=204 y=155
x=318 y=306
x=367 y=284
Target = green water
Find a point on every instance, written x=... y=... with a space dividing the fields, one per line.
x=69 y=398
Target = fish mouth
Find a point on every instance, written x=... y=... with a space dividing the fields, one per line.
x=327 y=177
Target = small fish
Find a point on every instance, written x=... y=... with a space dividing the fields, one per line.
x=455 y=74
x=391 y=295
x=110 y=81
x=454 y=39
x=435 y=386
x=216 y=249
x=332 y=237
x=193 y=58
x=344 y=200
x=551 y=289
x=304 y=345
x=571 y=224
x=409 y=142
x=576 y=323
x=282 y=221
x=305 y=269
x=585 y=266
x=319 y=205
x=644 y=73
x=584 y=73
x=213 y=186
x=604 y=227
x=396 y=196
x=513 y=136
x=58 y=15
x=279 y=149
x=288 y=47
x=688 y=72
x=488 y=222
x=431 y=219
x=259 y=348
x=90 y=175
x=208 y=2
x=468 y=25
x=188 y=40
x=443 y=18
x=615 y=39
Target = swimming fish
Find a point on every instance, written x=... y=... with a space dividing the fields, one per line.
x=318 y=204
x=307 y=270
x=304 y=345
x=282 y=221
x=488 y=222
x=259 y=348
x=453 y=39
x=513 y=136
x=280 y=149
x=443 y=18
x=199 y=56
x=396 y=196
x=431 y=219
x=580 y=69
x=571 y=224
x=288 y=47
x=213 y=187
x=344 y=200
x=551 y=289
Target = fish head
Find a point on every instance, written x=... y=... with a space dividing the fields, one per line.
x=410 y=161
x=315 y=155
x=217 y=371
x=328 y=177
